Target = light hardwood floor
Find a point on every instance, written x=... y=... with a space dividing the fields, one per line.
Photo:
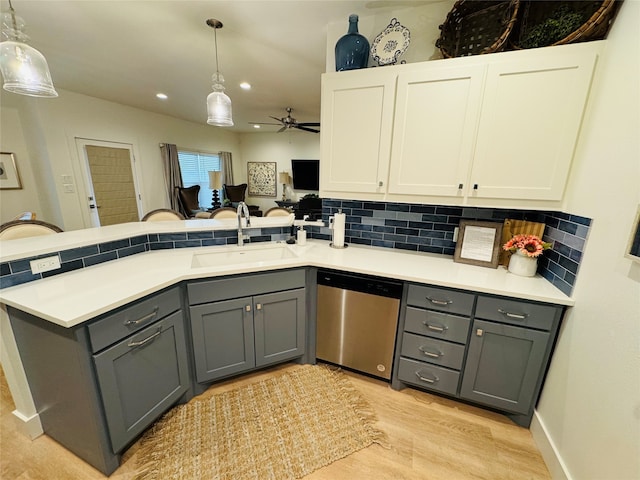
x=431 y=438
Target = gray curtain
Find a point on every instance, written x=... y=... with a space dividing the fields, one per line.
x=227 y=168
x=172 y=176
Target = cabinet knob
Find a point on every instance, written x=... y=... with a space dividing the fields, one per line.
x=380 y=183
x=479 y=332
x=460 y=185
x=258 y=306
x=247 y=308
x=475 y=186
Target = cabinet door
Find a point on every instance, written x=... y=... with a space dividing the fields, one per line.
x=222 y=338
x=355 y=146
x=529 y=124
x=436 y=116
x=279 y=322
x=141 y=377
x=504 y=365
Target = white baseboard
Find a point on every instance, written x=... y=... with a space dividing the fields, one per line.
x=29 y=426
x=548 y=450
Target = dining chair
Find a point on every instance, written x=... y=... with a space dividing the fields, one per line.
x=224 y=212
x=162 y=215
x=26 y=228
x=278 y=212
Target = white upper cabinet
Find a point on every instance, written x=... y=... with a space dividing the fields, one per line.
x=434 y=124
x=531 y=115
x=358 y=112
x=487 y=130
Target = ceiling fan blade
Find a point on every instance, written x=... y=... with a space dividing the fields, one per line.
x=263 y=123
x=276 y=118
x=282 y=129
x=309 y=124
x=306 y=129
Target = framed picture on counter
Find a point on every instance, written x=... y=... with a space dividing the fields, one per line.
x=478 y=243
x=9 y=176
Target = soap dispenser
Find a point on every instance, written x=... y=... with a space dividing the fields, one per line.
x=302 y=235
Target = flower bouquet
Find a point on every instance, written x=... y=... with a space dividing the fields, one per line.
x=527 y=249
x=529 y=245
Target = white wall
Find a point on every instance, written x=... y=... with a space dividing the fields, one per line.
x=49 y=127
x=279 y=148
x=590 y=406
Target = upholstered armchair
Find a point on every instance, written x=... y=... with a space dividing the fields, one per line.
x=235 y=194
x=188 y=200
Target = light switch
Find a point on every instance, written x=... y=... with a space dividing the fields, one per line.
x=68 y=188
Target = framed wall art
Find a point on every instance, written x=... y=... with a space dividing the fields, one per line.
x=9 y=176
x=261 y=179
x=478 y=243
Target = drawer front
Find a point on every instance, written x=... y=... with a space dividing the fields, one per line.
x=244 y=286
x=515 y=312
x=437 y=324
x=428 y=376
x=433 y=351
x=440 y=299
x=115 y=327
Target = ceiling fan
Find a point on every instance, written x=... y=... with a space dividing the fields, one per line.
x=290 y=122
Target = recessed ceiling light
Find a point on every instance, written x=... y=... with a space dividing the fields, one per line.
x=256 y=126
x=245 y=86
x=161 y=96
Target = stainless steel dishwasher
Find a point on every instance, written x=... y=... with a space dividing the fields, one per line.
x=357 y=319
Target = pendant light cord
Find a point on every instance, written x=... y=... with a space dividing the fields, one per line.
x=215 y=39
x=13 y=18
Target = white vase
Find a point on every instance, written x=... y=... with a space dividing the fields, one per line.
x=523 y=265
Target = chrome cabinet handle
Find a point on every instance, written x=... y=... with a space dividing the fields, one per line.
x=427 y=353
x=247 y=308
x=518 y=316
x=148 y=339
x=436 y=328
x=435 y=301
x=142 y=319
x=425 y=379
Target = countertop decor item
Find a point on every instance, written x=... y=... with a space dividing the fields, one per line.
x=526 y=249
x=546 y=23
x=262 y=430
x=352 y=49
x=477 y=27
x=392 y=42
x=478 y=243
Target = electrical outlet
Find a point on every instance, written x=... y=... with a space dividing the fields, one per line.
x=455 y=234
x=45 y=264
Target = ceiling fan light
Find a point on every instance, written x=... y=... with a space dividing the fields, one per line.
x=24 y=69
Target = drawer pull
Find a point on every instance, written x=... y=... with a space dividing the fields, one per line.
x=148 y=339
x=142 y=319
x=425 y=379
x=435 y=301
x=427 y=353
x=518 y=316
x=435 y=328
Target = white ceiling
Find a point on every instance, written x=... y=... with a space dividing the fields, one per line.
x=126 y=51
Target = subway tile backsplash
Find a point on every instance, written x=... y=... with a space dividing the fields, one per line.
x=412 y=227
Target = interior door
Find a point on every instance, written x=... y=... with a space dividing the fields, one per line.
x=110 y=182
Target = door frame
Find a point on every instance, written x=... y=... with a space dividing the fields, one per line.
x=90 y=215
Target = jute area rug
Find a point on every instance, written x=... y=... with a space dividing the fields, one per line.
x=281 y=428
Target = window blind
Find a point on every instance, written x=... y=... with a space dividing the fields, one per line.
x=195 y=168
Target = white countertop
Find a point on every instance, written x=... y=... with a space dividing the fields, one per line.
x=71 y=298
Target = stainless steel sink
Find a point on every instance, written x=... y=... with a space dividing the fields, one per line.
x=242 y=255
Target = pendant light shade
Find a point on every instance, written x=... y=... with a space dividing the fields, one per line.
x=218 y=103
x=24 y=69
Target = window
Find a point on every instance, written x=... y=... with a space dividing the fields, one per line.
x=195 y=168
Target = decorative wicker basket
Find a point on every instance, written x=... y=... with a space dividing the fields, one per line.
x=545 y=23
x=476 y=27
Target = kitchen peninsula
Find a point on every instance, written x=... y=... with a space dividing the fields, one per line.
x=83 y=312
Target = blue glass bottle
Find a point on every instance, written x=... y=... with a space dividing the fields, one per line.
x=352 y=49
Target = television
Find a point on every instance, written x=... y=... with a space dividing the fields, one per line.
x=306 y=174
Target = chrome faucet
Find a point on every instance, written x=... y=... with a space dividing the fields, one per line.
x=242 y=208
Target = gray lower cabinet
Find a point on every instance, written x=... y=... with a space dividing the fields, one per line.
x=235 y=335
x=488 y=350
x=119 y=373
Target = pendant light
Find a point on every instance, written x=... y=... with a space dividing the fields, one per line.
x=218 y=103
x=24 y=69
